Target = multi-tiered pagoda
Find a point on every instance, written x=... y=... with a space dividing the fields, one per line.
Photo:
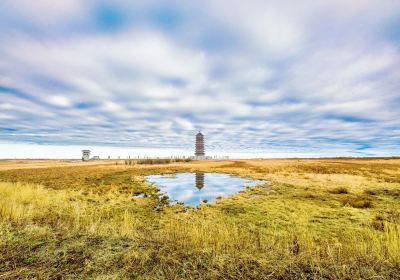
x=199 y=152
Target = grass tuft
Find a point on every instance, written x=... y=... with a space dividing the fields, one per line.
x=369 y=192
x=357 y=202
x=156 y=161
x=339 y=190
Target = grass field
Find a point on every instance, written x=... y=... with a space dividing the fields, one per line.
x=324 y=219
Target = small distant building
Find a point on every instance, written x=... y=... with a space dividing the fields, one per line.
x=85 y=155
x=199 y=148
x=95 y=158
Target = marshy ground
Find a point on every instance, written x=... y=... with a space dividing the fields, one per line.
x=317 y=219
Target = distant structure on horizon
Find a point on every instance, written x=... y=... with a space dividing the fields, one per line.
x=85 y=155
x=199 y=150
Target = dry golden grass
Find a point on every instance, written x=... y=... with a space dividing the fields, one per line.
x=25 y=164
x=80 y=222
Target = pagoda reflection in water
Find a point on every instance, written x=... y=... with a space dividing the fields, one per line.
x=199 y=180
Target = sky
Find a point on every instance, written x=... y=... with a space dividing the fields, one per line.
x=258 y=78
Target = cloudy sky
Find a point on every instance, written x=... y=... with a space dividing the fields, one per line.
x=263 y=78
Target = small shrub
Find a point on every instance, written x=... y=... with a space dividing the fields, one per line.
x=295 y=246
x=393 y=193
x=202 y=264
x=369 y=192
x=378 y=223
x=339 y=190
x=162 y=160
x=310 y=196
x=29 y=261
x=357 y=202
x=183 y=160
x=154 y=161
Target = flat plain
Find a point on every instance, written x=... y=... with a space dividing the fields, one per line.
x=317 y=219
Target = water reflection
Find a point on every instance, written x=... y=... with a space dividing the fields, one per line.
x=199 y=180
x=195 y=188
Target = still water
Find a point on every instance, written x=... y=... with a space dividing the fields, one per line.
x=194 y=188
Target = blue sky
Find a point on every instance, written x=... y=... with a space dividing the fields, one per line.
x=261 y=78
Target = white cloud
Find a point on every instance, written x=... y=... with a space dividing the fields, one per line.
x=59 y=100
x=4 y=116
x=184 y=124
x=270 y=28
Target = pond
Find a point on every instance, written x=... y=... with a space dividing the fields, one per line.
x=195 y=188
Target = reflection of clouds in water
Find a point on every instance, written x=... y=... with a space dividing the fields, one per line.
x=193 y=188
x=185 y=195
